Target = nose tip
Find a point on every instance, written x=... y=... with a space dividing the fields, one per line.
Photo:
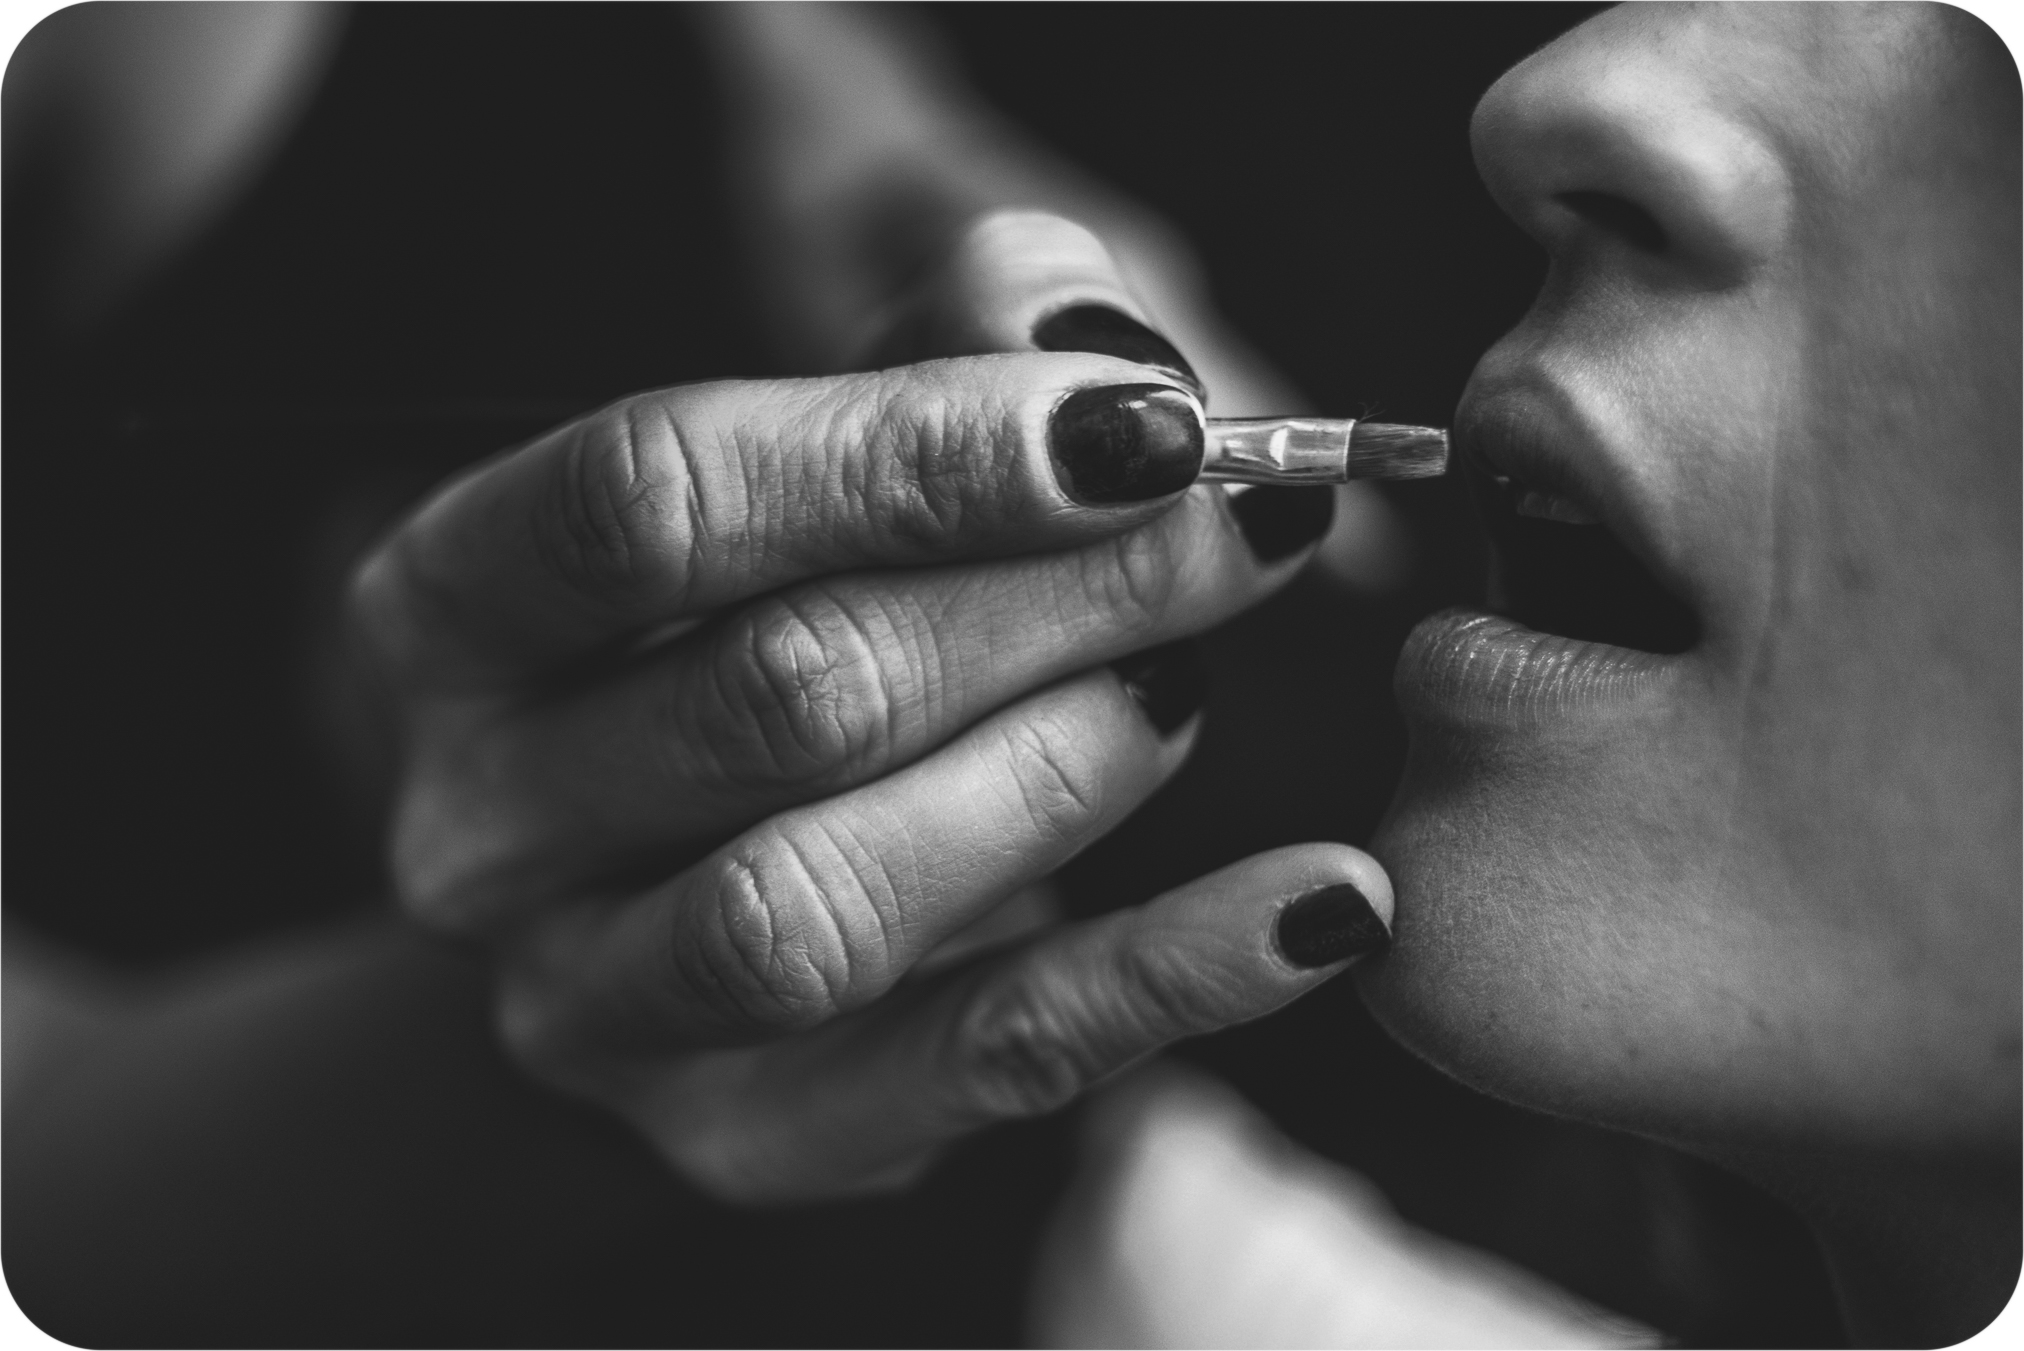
x=1627 y=155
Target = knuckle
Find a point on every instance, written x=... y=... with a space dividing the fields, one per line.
x=718 y=1159
x=790 y=941
x=536 y=1036
x=1018 y=1052
x=809 y=692
x=624 y=508
x=395 y=606
x=694 y=1111
x=697 y=1112
x=943 y=489
x=437 y=860
x=1166 y=993
x=1133 y=578
x=1058 y=774
x=750 y=960
x=927 y=488
x=464 y=844
x=742 y=1149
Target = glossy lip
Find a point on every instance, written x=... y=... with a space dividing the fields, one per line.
x=1470 y=669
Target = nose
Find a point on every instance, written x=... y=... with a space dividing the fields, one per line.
x=1626 y=154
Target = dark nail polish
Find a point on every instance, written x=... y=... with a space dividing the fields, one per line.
x=1328 y=926
x=1169 y=682
x=1125 y=443
x=1278 y=522
x=1111 y=333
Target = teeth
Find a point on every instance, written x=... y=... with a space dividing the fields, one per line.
x=1547 y=507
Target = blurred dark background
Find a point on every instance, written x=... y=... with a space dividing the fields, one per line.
x=433 y=268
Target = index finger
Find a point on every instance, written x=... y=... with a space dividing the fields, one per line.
x=680 y=501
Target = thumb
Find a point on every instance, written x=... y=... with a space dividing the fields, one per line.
x=1021 y=281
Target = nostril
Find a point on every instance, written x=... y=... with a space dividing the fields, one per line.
x=1617 y=216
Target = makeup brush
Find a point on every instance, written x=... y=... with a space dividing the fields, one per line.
x=1299 y=450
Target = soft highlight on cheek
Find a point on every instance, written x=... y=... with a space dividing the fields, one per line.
x=1761 y=892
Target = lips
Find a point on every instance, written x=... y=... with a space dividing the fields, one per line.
x=1559 y=563
x=1579 y=621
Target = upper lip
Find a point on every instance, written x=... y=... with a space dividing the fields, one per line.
x=1520 y=439
x=1534 y=435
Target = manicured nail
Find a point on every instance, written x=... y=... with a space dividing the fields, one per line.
x=1278 y=522
x=1328 y=926
x=1169 y=683
x=1111 y=333
x=1125 y=443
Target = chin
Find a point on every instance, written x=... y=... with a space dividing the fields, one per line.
x=1592 y=921
x=1546 y=949
x=1565 y=935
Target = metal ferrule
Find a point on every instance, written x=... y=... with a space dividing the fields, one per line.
x=1277 y=449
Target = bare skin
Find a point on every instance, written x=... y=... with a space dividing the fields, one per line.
x=1753 y=890
x=818 y=669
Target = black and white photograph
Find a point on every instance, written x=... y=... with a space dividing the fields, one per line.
x=742 y=674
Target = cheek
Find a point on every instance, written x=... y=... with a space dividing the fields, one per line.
x=1879 y=748
x=1879 y=720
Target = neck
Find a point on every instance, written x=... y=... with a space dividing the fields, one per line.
x=1920 y=1255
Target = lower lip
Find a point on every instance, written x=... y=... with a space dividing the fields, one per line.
x=1470 y=669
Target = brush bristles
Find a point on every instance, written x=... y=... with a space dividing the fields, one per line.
x=1393 y=450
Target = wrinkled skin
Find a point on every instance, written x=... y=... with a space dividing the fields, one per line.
x=1759 y=897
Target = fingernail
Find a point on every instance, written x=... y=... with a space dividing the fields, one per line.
x=1112 y=333
x=1169 y=683
x=1328 y=926
x=1125 y=443
x=1278 y=522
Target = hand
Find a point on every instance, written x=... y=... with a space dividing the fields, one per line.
x=915 y=678
x=857 y=154
x=718 y=871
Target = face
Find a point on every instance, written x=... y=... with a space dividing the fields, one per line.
x=1714 y=833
